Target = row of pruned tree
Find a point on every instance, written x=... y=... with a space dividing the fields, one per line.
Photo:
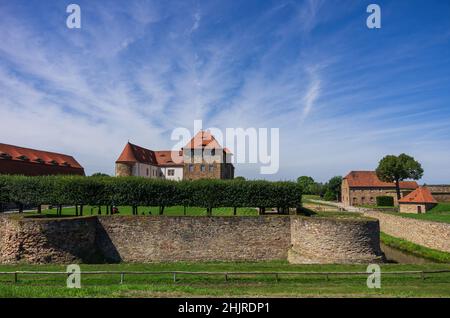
x=135 y=191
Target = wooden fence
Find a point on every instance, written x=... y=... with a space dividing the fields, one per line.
x=226 y=275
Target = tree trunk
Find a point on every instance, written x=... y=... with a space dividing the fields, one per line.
x=81 y=210
x=184 y=210
x=76 y=210
x=397 y=187
x=235 y=211
x=39 y=209
x=99 y=210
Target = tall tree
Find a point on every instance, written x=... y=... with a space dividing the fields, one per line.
x=334 y=187
x=307 y=184
x=397 y=168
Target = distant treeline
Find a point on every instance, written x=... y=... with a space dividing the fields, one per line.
x=137 y=191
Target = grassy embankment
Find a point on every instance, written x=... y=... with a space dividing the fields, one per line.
x=417 y=250
x=159 y=285
x=440 y=213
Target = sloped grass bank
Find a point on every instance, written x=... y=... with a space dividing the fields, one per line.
x=415 y=249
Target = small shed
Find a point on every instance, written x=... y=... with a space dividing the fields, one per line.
x=419 y=201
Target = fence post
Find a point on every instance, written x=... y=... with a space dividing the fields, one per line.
x=226 y=277
x=122 y=277
x=174 y=277
x=277 y=278
x=15 y=277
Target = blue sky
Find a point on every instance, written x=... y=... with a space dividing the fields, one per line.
x=342 y=95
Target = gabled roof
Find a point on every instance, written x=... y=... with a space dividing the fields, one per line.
x=420 y=195
x=133 y=154
x=38 y=162
x=369 y=179
x=203 y=139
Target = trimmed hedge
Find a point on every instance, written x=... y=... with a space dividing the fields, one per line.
x=385 y=201
x=136 y=191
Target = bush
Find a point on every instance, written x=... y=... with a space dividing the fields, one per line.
x=329 y=196
x=136 y=191
x=385 y=201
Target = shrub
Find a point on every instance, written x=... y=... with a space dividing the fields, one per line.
x=136 y=191
x=329 y=196
x=385 y=201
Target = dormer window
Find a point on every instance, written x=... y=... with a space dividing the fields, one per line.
x=23 y=157
x=39 y=160
x=4 y=155
x=65 y=163
x=53 y=162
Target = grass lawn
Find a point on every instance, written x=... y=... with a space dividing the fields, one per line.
x=172 y=211
x=440 y=213
x=160 y=285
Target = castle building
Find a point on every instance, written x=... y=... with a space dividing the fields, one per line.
x=33 y=162
x=419 y=201
x=363 y=187
x=202 y=158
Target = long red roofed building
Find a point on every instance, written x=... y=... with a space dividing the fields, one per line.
x=363 y=187
x=17 y=160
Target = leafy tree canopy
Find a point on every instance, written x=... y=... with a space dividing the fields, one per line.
x=397 y=168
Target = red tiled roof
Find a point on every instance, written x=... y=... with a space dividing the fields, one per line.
x=203 y=139
x=369 y=179
x=27 y=161
x=169 y=158
x=133 y=153
x=420 y=195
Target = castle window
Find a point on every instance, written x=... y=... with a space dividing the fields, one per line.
x=147 y=172
x=171 y=172
x=211 y=167
x=191 y=168
x=213 y=152
x=202 y=168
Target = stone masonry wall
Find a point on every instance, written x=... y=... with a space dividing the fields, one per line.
x=327 y=240
x=163 y=238
x=430 y=234
x=47 y=241
x=440 y=192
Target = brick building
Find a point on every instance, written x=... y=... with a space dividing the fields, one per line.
x=419 y=201
x=33 y=162
x=363 y=187
x=201 y=158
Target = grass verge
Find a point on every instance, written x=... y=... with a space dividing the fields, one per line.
x=162 y=285
x=418 y=250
